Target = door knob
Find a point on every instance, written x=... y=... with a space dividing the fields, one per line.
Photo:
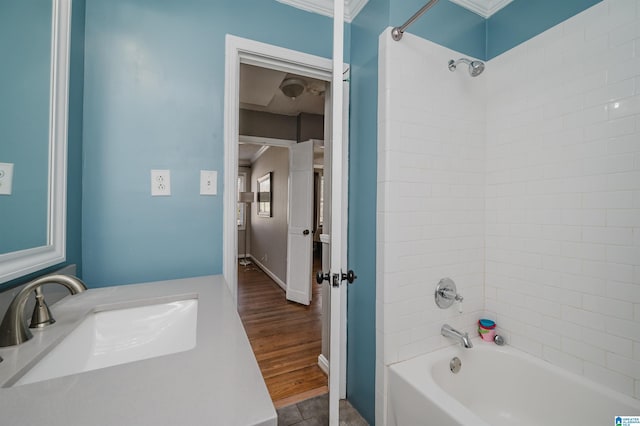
x=305 y=232
x=350 y=276
x=321 y=276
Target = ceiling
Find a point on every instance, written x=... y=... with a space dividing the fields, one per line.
x=260 y=91
x=484 y=8
x=246 y=152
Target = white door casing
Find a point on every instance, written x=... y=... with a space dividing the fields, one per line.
x=323 y=359
x=338 y=217
x=343 y=234
x=299 y=235
x=250 y=52
x=264 y=55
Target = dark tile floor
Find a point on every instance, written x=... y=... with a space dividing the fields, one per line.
x=315 y=412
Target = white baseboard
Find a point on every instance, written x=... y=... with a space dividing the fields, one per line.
x=323 y=363
x=242 y=256
x=268 y=272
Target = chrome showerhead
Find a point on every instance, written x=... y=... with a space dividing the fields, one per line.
x=475 y=67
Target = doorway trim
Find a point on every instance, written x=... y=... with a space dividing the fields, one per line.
x=241 y=50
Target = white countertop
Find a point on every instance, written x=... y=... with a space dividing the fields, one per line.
x=216 y=383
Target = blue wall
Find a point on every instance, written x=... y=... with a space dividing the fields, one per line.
x=25 y=43
x=447 y=24
x=460 y=29
x=521 y=20
x=74 y=140
x=153 y=99
x=363 y=154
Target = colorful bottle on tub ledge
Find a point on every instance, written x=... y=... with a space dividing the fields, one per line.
x=487 y=329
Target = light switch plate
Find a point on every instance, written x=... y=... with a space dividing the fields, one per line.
x=160 y=183
x=6 y=178
x=208 y=182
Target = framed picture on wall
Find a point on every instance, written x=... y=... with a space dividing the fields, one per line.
x=264 y=195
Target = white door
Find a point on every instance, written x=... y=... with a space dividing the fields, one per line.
x=300 y=237
x=337 y=346
x=248 y=51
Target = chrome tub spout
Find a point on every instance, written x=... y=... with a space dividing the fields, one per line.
x=463 y=339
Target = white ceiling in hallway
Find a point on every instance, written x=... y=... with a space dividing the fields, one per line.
x=484 y=8
x=260 y=91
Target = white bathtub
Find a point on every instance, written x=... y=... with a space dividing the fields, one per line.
x=497 y=386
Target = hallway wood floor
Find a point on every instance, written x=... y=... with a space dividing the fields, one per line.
x=286 y=337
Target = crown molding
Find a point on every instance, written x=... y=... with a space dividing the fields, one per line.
x=325 y=7
x=484 y=8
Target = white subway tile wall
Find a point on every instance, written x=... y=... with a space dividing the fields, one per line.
x=431 y=171
x=522 y=185
x=563 y=177
x=431 y=201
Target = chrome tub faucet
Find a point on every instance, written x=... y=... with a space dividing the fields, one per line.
x=463 y=339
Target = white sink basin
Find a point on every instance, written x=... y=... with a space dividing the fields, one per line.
x=120 y=336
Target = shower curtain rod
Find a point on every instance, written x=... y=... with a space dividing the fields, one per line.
x=397 y=32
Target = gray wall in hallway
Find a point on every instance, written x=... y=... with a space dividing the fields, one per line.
x=269 y=234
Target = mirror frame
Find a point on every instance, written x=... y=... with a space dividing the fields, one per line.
x=19 y=263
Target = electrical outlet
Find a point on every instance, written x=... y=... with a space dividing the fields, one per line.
x=160 y=183
x=208 y=182
x=6 y=178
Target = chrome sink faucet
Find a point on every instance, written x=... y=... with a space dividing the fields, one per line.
x=13 y=329
x=464 y=339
